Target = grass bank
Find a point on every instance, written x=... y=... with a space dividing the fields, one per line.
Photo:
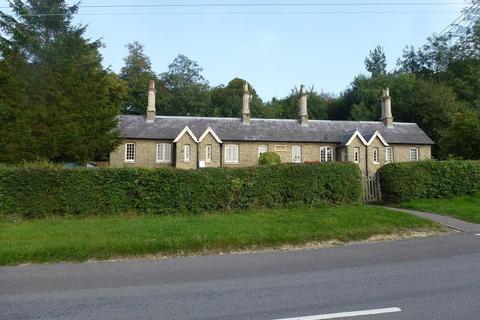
x=465 y=208
x=80 y=239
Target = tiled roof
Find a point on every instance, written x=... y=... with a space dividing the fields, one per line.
x=232 y=129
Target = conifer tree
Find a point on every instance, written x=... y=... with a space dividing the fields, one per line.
x=72 y=100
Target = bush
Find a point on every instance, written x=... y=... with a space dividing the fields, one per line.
x=40 y=192
x=429 y=179
x=269 y=158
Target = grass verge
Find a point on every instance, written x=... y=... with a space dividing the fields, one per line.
x=465 y=208
x=80 y=239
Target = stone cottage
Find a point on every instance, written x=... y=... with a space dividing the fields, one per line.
x=153 y=141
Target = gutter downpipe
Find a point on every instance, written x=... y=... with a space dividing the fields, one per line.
x=366 y=160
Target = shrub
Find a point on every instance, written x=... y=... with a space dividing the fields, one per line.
x=269 y=158
x=36 y=192
x=429 y=179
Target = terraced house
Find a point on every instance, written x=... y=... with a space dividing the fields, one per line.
x=198 y=142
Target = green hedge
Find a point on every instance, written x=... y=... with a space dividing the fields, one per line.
x=429 y=179
x=269 y=158
x=35 y=192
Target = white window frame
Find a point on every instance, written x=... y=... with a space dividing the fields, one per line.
x=328 y=154
x=208 y=153
x=186 y=153
x=128 y=153
x=262 y=149
x=375 y=155
x=232 y=153
x=297 y=154
x=388 y=154
x=166 y=149
x=417 y=154
x=356 y=155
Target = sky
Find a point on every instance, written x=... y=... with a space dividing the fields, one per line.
x=275 y=48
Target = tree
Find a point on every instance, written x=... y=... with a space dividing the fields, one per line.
x=136 y=73
x=376 y=62
x=17 y=142
x=187 y=90
x=462 y=138
x=226 y=101
x=72 y=101
x=452 y=58
x=430 y=104
x=287 y=107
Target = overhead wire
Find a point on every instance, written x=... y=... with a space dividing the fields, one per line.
x=257 y=5
x=278 y=4
x=455 y=23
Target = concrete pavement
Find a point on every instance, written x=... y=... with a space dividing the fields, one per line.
x=447 y=221
x=433 y=278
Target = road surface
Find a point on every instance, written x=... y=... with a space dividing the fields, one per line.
x=434 y=278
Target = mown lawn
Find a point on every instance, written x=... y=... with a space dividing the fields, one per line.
x=465 y=208
x=80 y=239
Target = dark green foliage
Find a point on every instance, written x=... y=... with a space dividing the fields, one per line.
x=59 y=102
x=187 y=92
x=36 y=192
x=376 y=62
x=136 y=73
x=226 y=101
x=287 y=107
x=269 y=158
x=429 y=179
x=465 y=128
x=428 y=103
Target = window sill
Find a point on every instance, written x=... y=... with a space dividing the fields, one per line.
x=163 y=162
x=128 y=161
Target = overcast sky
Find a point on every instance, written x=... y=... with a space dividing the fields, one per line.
x=275 y=50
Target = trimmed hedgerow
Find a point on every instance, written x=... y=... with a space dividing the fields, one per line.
x=429 y=179
x=37 y=192
x=269 y=158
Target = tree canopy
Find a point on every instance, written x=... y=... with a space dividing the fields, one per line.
x=136 y=73
x=65 y=103
x=376 y=62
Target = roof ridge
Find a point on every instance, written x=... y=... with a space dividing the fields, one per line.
x=266 y=119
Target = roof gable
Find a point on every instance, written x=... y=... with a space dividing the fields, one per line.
x=352 y=137
x=185 y=130
x=214 y=135
x=375 y=135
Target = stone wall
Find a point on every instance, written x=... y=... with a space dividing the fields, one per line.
x=248 y=153
x=145 y=154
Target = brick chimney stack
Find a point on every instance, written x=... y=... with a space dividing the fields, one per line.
x=387 y=117
x=246 y=104
x=302 y=106
x=151 y=111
